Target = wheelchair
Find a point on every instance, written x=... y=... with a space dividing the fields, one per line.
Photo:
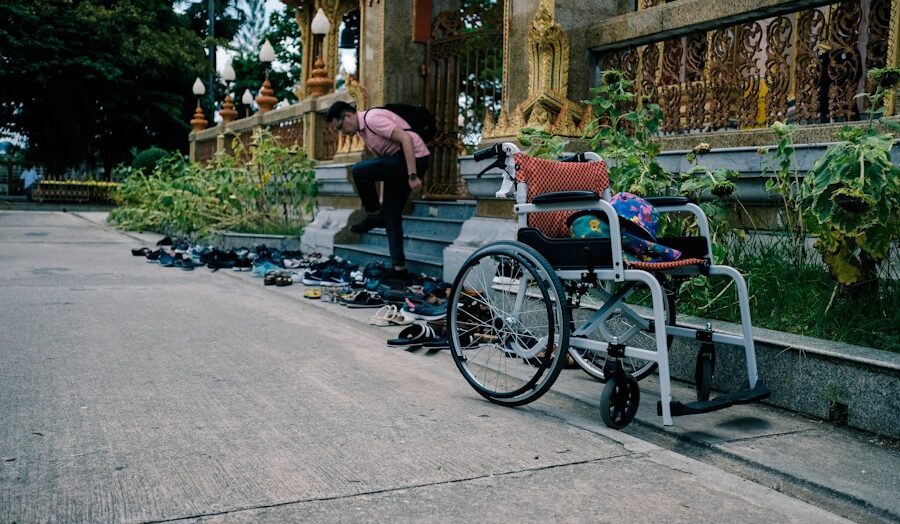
x=519 y=309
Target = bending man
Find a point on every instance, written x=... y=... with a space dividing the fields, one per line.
x=401 y=161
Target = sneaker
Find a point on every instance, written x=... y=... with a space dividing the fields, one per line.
x=312 y=277
x=370 y=223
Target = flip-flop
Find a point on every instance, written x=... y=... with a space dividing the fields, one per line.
x=414 y=335
x=382 y=316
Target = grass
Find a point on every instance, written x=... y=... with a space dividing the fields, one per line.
x=800 y=298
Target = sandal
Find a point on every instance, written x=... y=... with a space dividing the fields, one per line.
x=399 y=319
x=364 y=299
x=313 y=293
x=270 y=278
x=414 y=335
x=283 y=279
x=382 y=317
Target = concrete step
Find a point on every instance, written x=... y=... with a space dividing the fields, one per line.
x=362 y=254
x=444 y=228
x=428 y=245
x=459 y=209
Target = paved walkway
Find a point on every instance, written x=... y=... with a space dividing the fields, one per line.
x=142 y=394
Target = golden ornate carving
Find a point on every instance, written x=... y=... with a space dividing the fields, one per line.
x=844 y=61
x=747 y=47
x=354 y=144
x=893 y=52
x=779 y=34
x=810 y=29
x=547 y=106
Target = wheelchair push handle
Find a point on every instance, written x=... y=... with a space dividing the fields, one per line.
x=495 y=150
x=488 y=152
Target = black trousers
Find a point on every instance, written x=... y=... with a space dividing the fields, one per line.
x=391 y=170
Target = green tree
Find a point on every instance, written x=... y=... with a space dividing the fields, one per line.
x=88 y=81
x=283 y=34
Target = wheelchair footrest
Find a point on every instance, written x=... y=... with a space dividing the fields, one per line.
x=739 y=396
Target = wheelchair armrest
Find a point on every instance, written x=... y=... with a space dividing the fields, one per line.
x=558 y=197
x=658 y=201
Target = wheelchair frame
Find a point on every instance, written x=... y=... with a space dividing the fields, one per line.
x=532 y=253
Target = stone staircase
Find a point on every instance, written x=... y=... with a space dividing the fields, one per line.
x=427 y=230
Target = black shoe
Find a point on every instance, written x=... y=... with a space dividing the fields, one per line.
x=370 y=223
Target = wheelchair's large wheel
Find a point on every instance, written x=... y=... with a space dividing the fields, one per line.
x=507 y=323
x=617 y=324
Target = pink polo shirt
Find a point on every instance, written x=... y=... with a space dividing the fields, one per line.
x=378 y=126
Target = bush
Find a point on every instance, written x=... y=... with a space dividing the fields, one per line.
x=146 y=160
x=261 y=188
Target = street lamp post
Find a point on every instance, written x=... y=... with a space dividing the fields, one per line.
x=266 y=99
x=198 y=123
x=227 y=112
x=319 y=83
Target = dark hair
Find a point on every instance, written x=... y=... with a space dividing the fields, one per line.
x=338 y=110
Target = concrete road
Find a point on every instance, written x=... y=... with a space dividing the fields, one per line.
x=134 y=393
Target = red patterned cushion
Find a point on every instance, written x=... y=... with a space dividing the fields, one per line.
x=547 y=176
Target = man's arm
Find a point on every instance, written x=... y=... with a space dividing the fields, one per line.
x=409 y=155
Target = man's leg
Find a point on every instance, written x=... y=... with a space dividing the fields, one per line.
x=396 y=192
x=365 y=174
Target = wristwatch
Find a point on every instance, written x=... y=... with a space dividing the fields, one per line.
x=413 y=176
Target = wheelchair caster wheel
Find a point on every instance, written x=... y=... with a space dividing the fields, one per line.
x=703 y=371
x=619 y=401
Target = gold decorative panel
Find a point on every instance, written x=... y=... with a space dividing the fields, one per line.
x=805 y=67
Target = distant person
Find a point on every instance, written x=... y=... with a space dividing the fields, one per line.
x=401 y=161
x=30 y=179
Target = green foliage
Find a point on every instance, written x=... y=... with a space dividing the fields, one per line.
x=625 y=136
x=87 y=80
x=146 y=160
x=809 y=306
x=785 y=182
x=852 y=195
x=853 y=199
x=542 y=144
x=273 y=190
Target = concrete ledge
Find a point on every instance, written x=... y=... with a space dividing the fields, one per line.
x=231 y=240
x=822 y=378
x=328 y=229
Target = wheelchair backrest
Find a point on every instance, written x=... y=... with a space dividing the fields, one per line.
x=546 y=176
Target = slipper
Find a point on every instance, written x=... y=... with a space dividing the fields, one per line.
x=414 y=335
x=382 y=316
x=399 y=319
x=140 y=252
x=283 y=279
x=364 y=299
x=313 y=292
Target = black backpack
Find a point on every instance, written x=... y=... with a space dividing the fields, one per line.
x=420 y=120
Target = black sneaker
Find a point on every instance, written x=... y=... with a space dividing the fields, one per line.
x=370 y=223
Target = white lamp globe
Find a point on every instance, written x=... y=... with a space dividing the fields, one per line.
x=320 y=23
x=267 y=53
x=198 y=89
